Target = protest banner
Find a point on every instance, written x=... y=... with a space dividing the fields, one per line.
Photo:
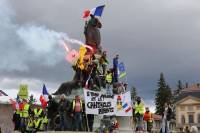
x=23 y=91
x=103 y=104
x=123 y=104
x=99 y=103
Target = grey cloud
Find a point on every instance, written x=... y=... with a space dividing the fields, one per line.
x=151 y=36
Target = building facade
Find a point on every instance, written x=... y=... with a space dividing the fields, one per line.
x=188 y=107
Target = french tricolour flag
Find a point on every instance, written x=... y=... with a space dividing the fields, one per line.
x=95 y=11
x=126 y=107
x=44 y=97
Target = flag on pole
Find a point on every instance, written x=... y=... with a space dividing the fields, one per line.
x=121 y=69
x=87 y=82
x=95 y=11
x=44 y=97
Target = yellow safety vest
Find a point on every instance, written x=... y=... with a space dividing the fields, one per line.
x=38 y=122
x=74 y=102
x=18 y=111
x=25 y=112
x=37 y=113
x=139 y=108
x=45 y=120
x=109 y=77
x=30 y=124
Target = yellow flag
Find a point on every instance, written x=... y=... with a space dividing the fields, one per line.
x=23 y=91
x=82 y=52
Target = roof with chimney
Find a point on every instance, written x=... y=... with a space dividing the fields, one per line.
x=192 y=91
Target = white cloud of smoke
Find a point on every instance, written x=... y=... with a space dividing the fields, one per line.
x=22 y=44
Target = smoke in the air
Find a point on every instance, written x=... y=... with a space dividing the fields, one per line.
x=22 y=44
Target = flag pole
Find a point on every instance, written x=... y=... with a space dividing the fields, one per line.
x=87 y=122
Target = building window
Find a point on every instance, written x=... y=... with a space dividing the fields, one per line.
x=182 y=108
x=191 y=118
x=198 y=118
x=190 y=108
x=198 y=107
x=182 y=119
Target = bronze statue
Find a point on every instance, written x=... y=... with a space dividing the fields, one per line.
x=92 y=33
x=93 y=39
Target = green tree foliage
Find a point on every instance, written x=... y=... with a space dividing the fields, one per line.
x=163 y=95
x=133 y=93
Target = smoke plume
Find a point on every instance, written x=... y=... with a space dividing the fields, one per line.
x=22 y=44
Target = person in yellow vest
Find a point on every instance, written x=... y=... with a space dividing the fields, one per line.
x=38 y=112
x=139 y=111
x=103 y=62
x=109 y=82
x=26 y=110
x=148 y=118
x=45 y=121
x=30 y=124
x=77 y=109
x=38 y=125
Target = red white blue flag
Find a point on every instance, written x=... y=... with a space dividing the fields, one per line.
x=95 y=11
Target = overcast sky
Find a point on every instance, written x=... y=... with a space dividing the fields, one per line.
x=151 y=36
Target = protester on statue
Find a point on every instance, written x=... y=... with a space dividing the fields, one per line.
x=139 y=111
x=52 y=110
x=166 y=118
x=104 y=62
x=63 y=110
x=109 y=80
x=25 y=112
x=77 y=109
x=125 y=87
x=115 y=68
x=95 y=74
x=148 y=118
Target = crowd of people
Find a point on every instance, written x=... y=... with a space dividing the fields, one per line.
x=60 y=115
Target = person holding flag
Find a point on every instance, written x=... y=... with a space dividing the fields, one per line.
x=115 y=68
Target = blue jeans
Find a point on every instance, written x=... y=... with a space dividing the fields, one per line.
x=23 y=124
x=78 y=121
x=63 y=121
x=165 y=126
x=109 y=89
x=139 y=119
